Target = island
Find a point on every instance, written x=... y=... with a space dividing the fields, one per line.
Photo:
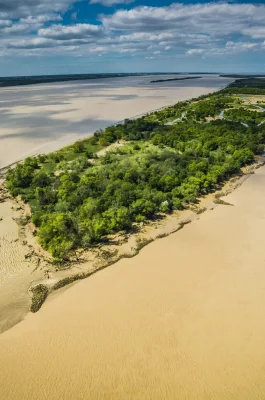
x=176 y=79
x=34 y=80
x=130 y=173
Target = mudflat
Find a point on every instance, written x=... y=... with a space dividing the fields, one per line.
x=184 y=319
x=42 y=118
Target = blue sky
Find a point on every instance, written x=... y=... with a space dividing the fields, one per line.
x=66 y=36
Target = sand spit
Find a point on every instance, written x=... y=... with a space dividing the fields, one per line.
x=42 y=118
x=183 y=319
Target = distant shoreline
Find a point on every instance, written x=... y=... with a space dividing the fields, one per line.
x=242 y=76
x=39 y=79
x=176 y=79
x=35 y=80
x=13 y=81
x=78 y=115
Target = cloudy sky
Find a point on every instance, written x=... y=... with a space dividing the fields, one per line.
x=67 y=36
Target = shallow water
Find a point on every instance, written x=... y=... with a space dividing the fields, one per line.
x=182 y=320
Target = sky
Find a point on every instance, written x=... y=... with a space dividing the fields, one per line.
x=97 y=36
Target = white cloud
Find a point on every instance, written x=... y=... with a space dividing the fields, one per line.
x=31 y=43
x=127 y=50
x=19 y=28
x=235 y=47
x=29 y=24
x=98 y=49
x=230 y=48
x=137 y=36
x=255 y=32
x=211 y=18
x=77 y=31
x=175 y=30
x=23 y=8
x=109 y=3
x=192 y=52
x=41 y=19
x=5 y=23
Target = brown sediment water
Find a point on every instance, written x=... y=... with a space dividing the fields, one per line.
x=184 y=319
x=43 y=118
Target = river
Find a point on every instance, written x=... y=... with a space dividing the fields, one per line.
x=182 y=320
x=41 y=118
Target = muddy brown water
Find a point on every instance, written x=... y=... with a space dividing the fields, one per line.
x=42 y=118
x=184 y=319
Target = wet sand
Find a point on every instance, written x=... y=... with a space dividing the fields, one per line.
x=184 y=319
x=16 y=273
x=42 y=118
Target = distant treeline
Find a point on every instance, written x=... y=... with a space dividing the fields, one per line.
x=176 y=79
x=242 y=76
x=247 y=86
x=33 y=80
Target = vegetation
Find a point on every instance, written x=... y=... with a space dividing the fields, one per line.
x=247 y=86
x=244 y=115
x=242 y=76
x=33 y=80
x=211 y=107
x=176 y=79
x=78 y=199
x=39 y=295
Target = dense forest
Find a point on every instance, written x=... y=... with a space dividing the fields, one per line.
x=81 y=194
x=244 y=115
x=247 y=86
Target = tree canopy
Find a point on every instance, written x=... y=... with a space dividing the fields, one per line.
x=78 y=198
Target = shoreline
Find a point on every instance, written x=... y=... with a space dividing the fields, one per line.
x=183 y=318
x=49 y=278
x=35 y=153
x=18 y=81
x=45 y=118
